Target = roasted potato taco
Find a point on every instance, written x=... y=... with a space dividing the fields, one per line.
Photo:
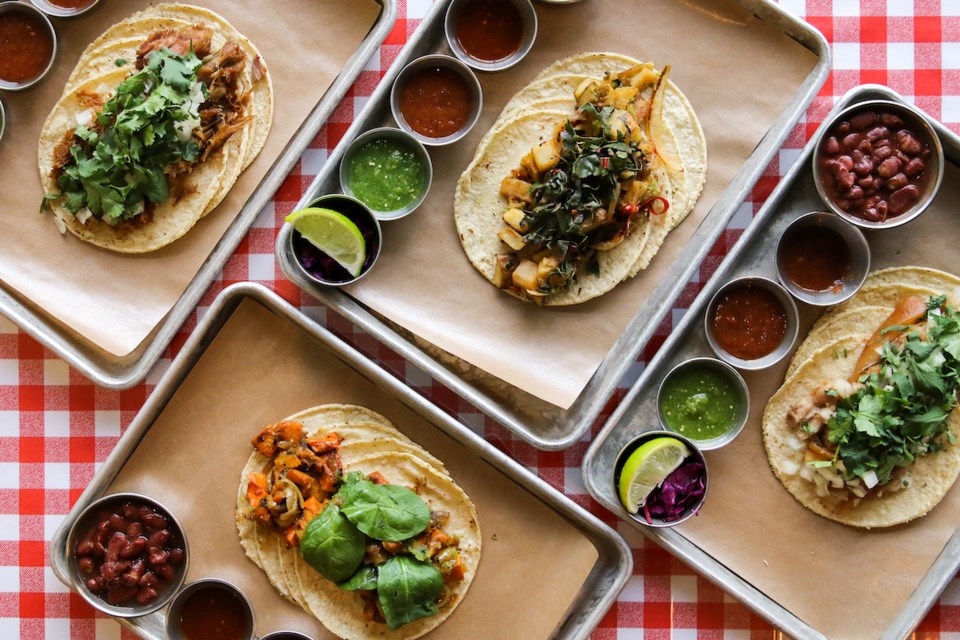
x=357 y=524
x=157 y=121
x=864 y=429
x=578 y=182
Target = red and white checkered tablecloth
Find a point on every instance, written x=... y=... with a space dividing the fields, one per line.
x=56 y=427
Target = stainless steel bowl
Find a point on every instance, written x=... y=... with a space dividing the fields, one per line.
x=363 y=217
x=636 y=443
x=859 y=259
x=87 y=520
x=527 y=14
x=920 y=123
x=63 y=12
x=175 y=614
x=405 y=139
x=742 y=391
x=793 y=324
x=438 y=60
x=285 y=635
x=7 y=7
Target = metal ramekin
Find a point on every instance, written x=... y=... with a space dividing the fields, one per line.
x=911 y=115
x=285 y=635
x=174 y=615
x=82 y=525
x=859 y=259
x=743 y=392
x=438 y=60
x=355 y=210
x=62 y=12
x=786 y=344
x=631 y=447
x=527 y=14
x=6 y=7
x=3 y=120
x=389 y=133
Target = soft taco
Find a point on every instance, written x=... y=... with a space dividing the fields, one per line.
x=357 y=524
x=864 y=429
x=577 y=184
x=158 y=119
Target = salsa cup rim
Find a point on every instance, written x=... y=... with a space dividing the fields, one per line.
x=859 y=250
x=134 y=611
x=528 y=15
x=789 y=338
x=937 y=161
x=54 y=11
x=638 y=440
x=450 y=62
x=743 y=390
x=175 y=633
x=419 y=151
x=6 y=85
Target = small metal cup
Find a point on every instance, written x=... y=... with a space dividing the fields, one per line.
x=87 y=519
x=63 y=12
x=632 y=446
x=742 y=392
x=389 y=133
x=175 y=614
x=859 y=259
x=362 y=216
x=438 y=60
x=3 y=120
x=793 y=324
x=527 y=14
x=911 y=115
x=7 y=7
x=285 y=635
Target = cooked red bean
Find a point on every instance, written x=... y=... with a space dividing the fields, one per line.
x=868 y=158
x=135 y=529
x=165 y=571
x=85 y=547
x=85 y=565
x=154 y=521
x=149 y=579
x=129 y=511
x=176 y=556
x=117 y=523
x=134 y=547
x=157 y=556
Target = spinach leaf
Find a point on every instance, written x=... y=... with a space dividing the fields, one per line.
x=407 y=590
x=364 y=579
x=384 y=511
x=332 y=545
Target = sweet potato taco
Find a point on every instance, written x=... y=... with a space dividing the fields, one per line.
x=578 y=182
x=357 y=524
x=864 y=429
x=157 y=120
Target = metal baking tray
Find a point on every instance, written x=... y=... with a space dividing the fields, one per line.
x=113 y=372
x=539 y=423
x=609 y=575
x=754 y=254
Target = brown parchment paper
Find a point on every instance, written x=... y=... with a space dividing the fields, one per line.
x=738 y=72
x=112 y=300
x=260 y=369
x=844 y=582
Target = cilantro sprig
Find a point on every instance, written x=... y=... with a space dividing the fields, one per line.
x=900 y=413
x=119 y=163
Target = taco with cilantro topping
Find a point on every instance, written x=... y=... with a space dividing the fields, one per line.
x=864 y=429
x=158 y=119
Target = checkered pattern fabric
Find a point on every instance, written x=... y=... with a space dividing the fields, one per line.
x=56 y=427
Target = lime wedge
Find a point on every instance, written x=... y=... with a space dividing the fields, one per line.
x=647 y=467
x=334 y=234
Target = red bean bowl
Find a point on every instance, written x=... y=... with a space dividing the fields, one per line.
x=878 y=164
x=133 y=540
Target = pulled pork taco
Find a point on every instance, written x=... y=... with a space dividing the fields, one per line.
x=357 y=524
x=578 y=182
x=157 y=121
x=864 y=429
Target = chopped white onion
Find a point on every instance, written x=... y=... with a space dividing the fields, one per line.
x=806 y=472
x=870 y=479
x=789 y=467
x=85 y=117
x=794 y=443
x=103 y=89
x=83 y=215
x=61 y=225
